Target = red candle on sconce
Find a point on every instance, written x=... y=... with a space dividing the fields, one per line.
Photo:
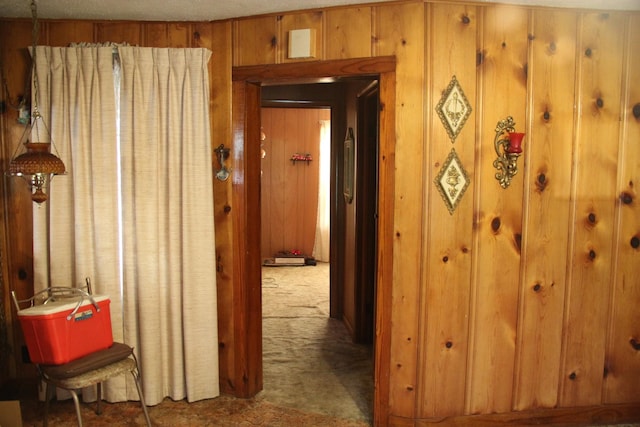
x=515 y=143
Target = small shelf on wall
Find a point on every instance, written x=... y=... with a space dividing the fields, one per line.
x=297 y=157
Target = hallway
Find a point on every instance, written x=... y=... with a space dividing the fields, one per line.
x=310 y=363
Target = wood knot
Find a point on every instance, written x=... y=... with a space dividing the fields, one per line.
x=466 y=20
x=572 y=376
x=592 y=254
x=588 y=52
x=537 y=287
x=546 y=116
x=636 y=111
x=552 y=47
x=635 y=344
x=599 y=102
x=635 y=242
x=541 y=182
x=449 y=344
x=227 y=209
x=445 y=259
x=626 y=198
x=495 y=224
x=592 y=218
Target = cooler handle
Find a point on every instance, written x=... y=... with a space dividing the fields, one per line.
x=51 y=291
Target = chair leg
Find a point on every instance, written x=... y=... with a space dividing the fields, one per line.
x=99 y=401
x=76 y=402
x=48 y=394
x=136 y=378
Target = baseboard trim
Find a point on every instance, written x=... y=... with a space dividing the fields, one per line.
x=579 y=416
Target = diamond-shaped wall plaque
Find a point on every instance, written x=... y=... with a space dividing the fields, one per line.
x=453 y=109
x=452 y=181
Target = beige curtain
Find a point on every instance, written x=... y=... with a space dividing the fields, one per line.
x=135 y=212
x=323 y=222
x=76 y=234
x=167 y=198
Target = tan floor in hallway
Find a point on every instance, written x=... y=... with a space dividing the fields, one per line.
x=310 y=362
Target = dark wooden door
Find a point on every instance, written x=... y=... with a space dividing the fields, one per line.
x=366 y=211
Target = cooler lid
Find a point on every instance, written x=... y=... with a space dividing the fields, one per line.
x=60 y=306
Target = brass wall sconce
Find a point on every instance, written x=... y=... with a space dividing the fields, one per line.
x=222 y=153
x=508 y=149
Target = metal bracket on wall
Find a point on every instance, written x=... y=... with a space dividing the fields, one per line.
x=222 y=154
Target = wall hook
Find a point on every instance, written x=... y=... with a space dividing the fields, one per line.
x=222 y=154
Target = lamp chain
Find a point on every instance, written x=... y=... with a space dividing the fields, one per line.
x=34 y=70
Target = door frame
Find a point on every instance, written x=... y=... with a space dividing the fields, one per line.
x=247 y=312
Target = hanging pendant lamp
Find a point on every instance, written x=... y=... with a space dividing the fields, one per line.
x=35 y=163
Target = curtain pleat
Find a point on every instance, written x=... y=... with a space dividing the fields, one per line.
x=168 y=246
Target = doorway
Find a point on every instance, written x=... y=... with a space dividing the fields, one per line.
x=313 y=361
x=246 y=109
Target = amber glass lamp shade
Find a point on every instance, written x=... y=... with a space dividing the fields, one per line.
x=38 y=166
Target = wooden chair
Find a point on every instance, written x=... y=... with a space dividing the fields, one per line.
x=91 y=370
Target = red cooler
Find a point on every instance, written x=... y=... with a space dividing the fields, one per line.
x=66 y=329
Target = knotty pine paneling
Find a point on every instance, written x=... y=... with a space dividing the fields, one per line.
x=493 y=318
x=255 y=40
x=622 y=364
x=580 y=160
x=289 y=193
x=451 y=51
x=348 y=33
x=120 y=32
x=399 y=31
x=61 y=33
x=595 y=191
x=548 y=151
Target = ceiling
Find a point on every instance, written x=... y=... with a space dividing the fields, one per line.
x=211 y=10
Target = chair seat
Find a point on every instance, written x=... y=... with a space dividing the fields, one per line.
x=94 y=376
x=93 y=361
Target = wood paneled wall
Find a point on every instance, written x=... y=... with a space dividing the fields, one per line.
x=523 y=301
x=289 y=195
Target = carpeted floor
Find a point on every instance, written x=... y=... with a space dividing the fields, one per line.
x=313 y=374
x=310 y=362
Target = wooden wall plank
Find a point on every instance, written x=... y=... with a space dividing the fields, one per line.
x=622 y=364
x=348 y=33
x=451 y=39
x=291 y=227
x=267 y=249
x=600 y=51
x=255 y=40
x=119 y=32
x=278 y=180
x=503 y=85
x=61 y=33
x=216 y=36
x=549 y=152
x=399 y=31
